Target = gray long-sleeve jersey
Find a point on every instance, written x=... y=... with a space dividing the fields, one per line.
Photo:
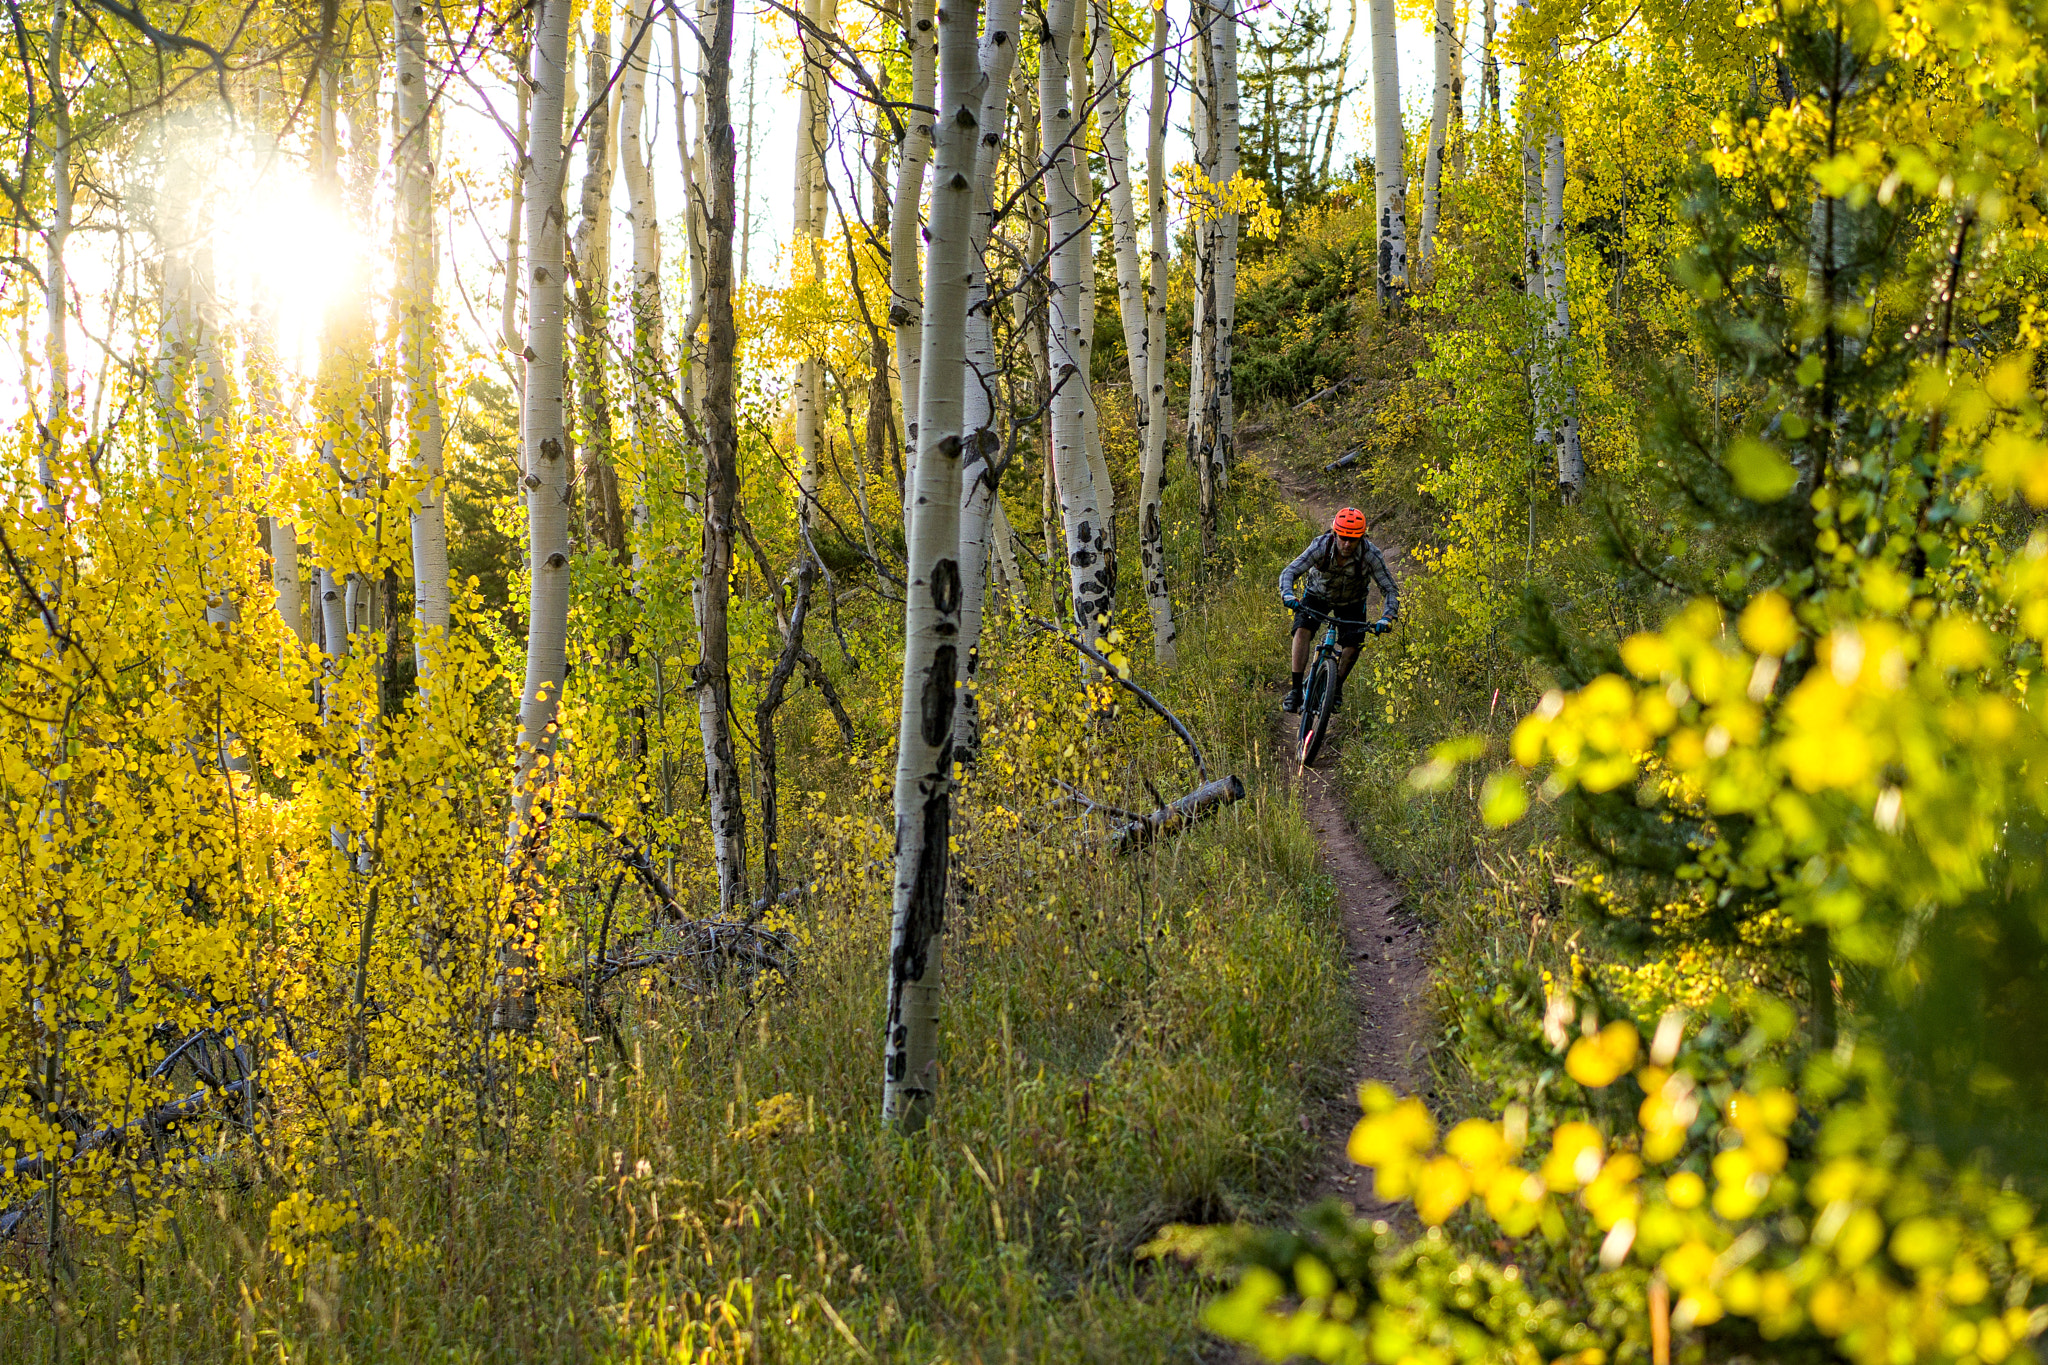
x=1342 y=579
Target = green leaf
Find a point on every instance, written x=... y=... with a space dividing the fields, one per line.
x=1761 y=474
x=1810 y=370
x=1503 y=800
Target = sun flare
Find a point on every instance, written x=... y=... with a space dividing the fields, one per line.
x=279 y=247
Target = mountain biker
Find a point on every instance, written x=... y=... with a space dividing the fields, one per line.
x=1338 y=564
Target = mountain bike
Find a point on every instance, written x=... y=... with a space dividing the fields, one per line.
x=1319 y=701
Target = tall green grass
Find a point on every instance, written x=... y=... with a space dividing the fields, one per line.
x=1128 y=1042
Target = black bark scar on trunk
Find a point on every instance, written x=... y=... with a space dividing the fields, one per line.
x=935 y=702
x=927 y=917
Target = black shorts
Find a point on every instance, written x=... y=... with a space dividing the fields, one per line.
x=1350 y=618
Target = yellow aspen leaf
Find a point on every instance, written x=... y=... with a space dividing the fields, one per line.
x=1576 y=1153
x=1440 y=1189
x=1761 y=474
x=1605 y=1057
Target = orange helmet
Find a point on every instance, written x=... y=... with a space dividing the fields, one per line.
x=1350 y=523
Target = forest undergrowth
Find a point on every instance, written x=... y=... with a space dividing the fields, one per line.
x=1133 y=1041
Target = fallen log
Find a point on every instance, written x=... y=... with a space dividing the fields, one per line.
x=1198 y=804
x=1323 y=393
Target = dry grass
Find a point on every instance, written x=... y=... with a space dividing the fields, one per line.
x=1128 y=1042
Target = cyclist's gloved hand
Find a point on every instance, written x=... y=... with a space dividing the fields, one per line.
x=1290 y=601
x=1381 y=626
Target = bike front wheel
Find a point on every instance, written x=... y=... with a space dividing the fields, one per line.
x=1317 y=709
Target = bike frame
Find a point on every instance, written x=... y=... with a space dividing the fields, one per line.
x=1319 y=704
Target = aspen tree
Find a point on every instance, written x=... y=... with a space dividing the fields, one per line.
x=745 y=225
x=696 y=232
x=213 y=465
x=980 y=502
x=931 y=616
x=1123 y=217
x=1444 y=44
x=1151 y=536
x=912 y=153
x=55 y=278
x=282 y=539
x=416 y=263
x=880 y=435
x=808 y=226
x=721 y=458
x=545 y=462
x=1086 y=542
x=1029 y=308
x=1084 y=339
x=366 y=402
x=709 y=191
x=1220 y=401
x=509 y=330
x=1205 y=136
x=1571 y=462
x=1533 y=266
x=644 y=290
x=1455 y=137
x=1390 y=178
x=338 y=385
x=1489 y=67
x=603 y=514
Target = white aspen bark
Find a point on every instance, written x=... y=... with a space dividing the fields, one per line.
x=696 y=240
x=1028 y=302
x=808 y=225
x=980 y=501
x=340 y=395
x=1206 y=137
x=827 y=20
x=1084 y=341
x=745 y=225
x=210 y=400
x=1086 y=567
x=546 y=478
x=284 y=578
x=1152 y=470
x=512 y=337
x=416 y=269
x=1390 y=179
x=1571 y=462
x=603 y=516
x=912 y=154
x=1201 y=140
x=931 y=617
x=213 y=472
x=1456 y=137
x=1003 y=543
x=721 y=459
x=174 y=309
x=269 y=437
x=1221 y=399
x=644 y=292
x=55 y=278
x=1533 y=264
x=1443 y=40
x=1123 y=217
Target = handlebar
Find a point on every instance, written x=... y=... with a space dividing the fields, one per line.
x=1379 y=627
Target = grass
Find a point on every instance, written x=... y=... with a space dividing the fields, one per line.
x=1128 y=1042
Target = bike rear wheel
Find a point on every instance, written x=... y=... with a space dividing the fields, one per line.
x=1316 y=710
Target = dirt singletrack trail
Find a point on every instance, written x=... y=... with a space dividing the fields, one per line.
x=1384 y=947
